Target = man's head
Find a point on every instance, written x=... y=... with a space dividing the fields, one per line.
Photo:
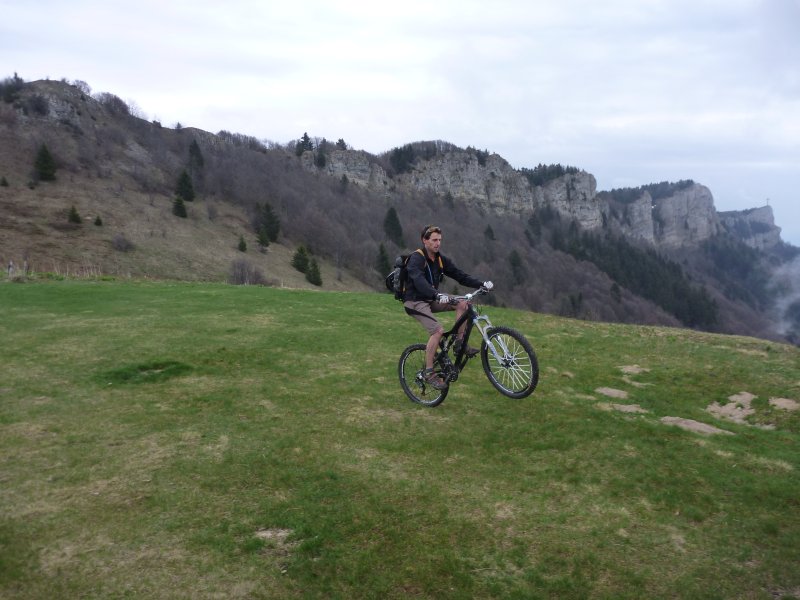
x=432 y=238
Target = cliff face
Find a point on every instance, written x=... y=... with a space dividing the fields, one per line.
x=637 y=219
x=755 y=227
x=575 y=197
x=358 y=166
x=495 y=185
x=686 y=218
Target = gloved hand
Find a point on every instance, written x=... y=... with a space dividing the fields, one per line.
x=488 y=285
x=443 y=298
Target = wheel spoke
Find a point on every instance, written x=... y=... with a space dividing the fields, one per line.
x=515 y=373
x=410 y=370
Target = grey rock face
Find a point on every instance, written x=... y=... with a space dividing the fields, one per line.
x=686 y=218
x=755 y=227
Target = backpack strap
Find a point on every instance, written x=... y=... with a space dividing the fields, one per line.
x=439 y=256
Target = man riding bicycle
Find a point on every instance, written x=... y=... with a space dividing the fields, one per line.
x=426 y=268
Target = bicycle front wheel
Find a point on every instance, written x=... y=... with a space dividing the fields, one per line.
x=510 y=363
x=411 y=371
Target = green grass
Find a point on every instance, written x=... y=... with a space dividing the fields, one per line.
x=166 y=440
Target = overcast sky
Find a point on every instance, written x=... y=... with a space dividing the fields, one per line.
x=632 y=91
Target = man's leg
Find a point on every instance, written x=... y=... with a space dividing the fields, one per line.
x=433 y=345
x=423 y=312
x=461 y=308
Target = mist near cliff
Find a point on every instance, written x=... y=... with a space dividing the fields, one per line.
x=786 y=281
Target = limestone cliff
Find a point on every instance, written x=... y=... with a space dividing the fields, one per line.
x=636 y=219
x=358 y=166
x=755 y=227
x=575 y=197
x=685 y=217
x=493 y=185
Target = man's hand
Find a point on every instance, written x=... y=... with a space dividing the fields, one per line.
x=443 y=298
x=488 y=285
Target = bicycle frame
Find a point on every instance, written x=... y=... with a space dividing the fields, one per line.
x=473 y=319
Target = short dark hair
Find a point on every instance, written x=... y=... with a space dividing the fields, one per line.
x=430 y=229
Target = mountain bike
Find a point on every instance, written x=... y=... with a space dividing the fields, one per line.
x=508 y=359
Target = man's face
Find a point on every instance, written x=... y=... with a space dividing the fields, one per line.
x=432 y=243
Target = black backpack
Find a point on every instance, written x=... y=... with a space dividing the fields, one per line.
x=397 y=277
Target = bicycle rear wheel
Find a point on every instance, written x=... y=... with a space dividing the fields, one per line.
x=516 y=373
x=410 y=369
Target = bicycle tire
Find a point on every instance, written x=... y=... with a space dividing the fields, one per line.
x=409 y=369
x=517 y=374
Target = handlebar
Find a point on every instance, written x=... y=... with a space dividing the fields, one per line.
x=468 y=297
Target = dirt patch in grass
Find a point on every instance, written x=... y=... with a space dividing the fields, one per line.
x=611 y=392
x=626 y=408
x=736 y=410
x=784 y=403
x=694 y=426
x=277 y=545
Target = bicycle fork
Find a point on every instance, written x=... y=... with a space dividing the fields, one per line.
x=483 y=324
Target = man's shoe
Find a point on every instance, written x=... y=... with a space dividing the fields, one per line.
x=433 y=379
x=469 y=351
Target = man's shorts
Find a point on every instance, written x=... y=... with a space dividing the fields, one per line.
x=423 y=312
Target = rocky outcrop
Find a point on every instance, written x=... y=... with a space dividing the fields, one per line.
x=358 y=166
x=755 y=227
x=686 y=218
x=575 y=197
x=493 y=185
x=637 y=219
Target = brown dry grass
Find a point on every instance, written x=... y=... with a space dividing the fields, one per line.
x=35 y=229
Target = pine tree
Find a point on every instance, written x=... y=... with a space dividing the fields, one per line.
x=263 y=238
x=98 y=221
x=300 y=259
x=242 y=244
x=45 y=165
x=489 y=233
x=269 y=221
x=74 y=217
x=196 y=160
x=178 y=207
x=303 y=144
x=312 y=274
x=517 y=268
x=10 y=88
x=382 y=262
x=184 y=188
x=392 y=227
x=3 y=182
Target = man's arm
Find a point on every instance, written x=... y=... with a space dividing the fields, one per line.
x=453 y=272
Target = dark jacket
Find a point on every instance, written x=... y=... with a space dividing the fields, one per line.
x=425 y=275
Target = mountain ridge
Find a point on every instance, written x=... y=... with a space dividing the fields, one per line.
x=111 y=157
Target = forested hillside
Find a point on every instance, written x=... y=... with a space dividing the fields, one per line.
x=87 y=184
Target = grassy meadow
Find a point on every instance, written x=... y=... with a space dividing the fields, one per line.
x=196 y=440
